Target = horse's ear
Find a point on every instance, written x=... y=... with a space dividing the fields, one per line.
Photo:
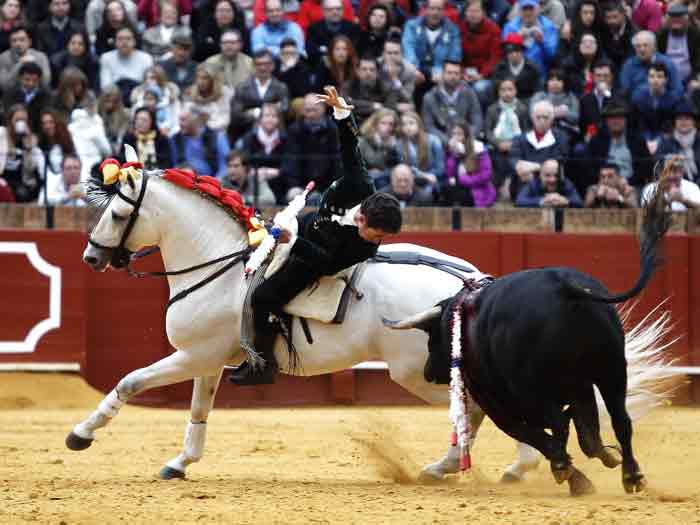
x=130 y=154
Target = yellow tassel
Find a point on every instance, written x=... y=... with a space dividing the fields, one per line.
x=256 y=237
x=110 y=174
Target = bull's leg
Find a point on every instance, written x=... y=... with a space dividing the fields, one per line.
x=175 y=368
x=203 y=394
x=587 y=422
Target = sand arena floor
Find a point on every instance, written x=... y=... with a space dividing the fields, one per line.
x=308 y=465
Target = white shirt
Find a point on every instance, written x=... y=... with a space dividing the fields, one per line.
x=689 y=190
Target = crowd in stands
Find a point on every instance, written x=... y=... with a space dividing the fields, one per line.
x=532 y=103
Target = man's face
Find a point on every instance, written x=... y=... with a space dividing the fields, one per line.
x=434 y=12
x=236 y=171
x=189 y=123
x=125 y=42
x=614 y=20
x=402 y=181
x=678 y=24
x=529 y=14
x=451 y=75
x=373 y=235
x=263 y=67
x=548 y=177
x=333 y=11
x=223 y=14
x=644 y=49
x=168 y=15
x=616 y=125
x=542 y=118
x=289 y=55
x=392 y=52
x=274 y=11
x=230 y=45
x=587 y=15
x=59 y=8
x=20 y=42
x=29 y=81
x=313 y=112
x=515 y=56
x=474 y=14
x=181 y=54
x=506 y=92
x=378 y=19
x=684 y=124
x=657 y=81
x=608 y=177
x=71 y=171
x=367 y=72
x=602 y=75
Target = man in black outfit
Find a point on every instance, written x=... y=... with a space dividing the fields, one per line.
x=347 y=229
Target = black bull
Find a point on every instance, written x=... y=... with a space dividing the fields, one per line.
x=538 y=341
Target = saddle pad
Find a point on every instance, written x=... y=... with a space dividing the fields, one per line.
x=321 y=300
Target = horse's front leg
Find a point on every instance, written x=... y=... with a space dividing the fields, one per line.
x=175 y=368
x=203 y=395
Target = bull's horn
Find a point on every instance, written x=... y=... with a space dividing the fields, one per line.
x=414 y=320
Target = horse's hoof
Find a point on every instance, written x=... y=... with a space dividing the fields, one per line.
x=635 y=482
x=509 y=478
x=562 y=472
x=579 y=484
x=430 y=475
x=75 y=442
x=171 y=473
x=610 y=456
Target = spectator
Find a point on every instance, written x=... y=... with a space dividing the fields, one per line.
x=399 y=74
x=619 y=143
x=565 y=103
x=114 y=19
x=294 y=72
x=265 y=146
x=199 y=146
x=653 y=104
x=289 y=7
x=161 y=96
x=241 y=178
x=89 y=136
x=20 y=52
x=53 y=34
x=680 y=192
x=338 y=67
x=578 y=66
x=158 y=39
x=152 y=147
x=29 y=92
x=403 y=187
x=11 y=16
x=399 y=12
x=152 y=11
x=312 y=152
x=468 y=170
x=261 y=87
x=371 y=40
x=211 y=97
x=505 y=120
x=24 y=163
x=227 y=16
x=634 y=73
x=549 y=190
x=321 y=33
x=422 y=151
x=71 y=93
x=430 y=40
x=94 y=15
x=314 y=11
x=481 y=50
x=529 y=150
x=367 y=93
x=618 y=31
x=587 y=18
x=684 y=140
x=125 y=66
x=645 y=14
x=680 y=42
x=377 y=145
x=553 y=10
x=270 y=34
x=449 y=101
x=76 y=55
x=115 y=117
x=611 y=190
x=590 y=120
x=64 y=188
x=515 y=66
x=180 y=68
x=232 y=64
x=540 y=35
x=55 y=142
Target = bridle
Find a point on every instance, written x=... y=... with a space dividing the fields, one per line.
x=122 y=257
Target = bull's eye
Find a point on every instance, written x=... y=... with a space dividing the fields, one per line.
x=117 y=217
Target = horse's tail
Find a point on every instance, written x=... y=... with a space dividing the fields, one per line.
x=651 y=378
x=657 y=220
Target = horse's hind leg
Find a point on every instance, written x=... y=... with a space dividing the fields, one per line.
x=175 y=368
x=587 y=423
x=203 y=394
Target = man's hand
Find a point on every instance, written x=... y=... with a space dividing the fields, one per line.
x=332 y=99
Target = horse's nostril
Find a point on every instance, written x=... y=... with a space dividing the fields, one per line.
x=89 y=259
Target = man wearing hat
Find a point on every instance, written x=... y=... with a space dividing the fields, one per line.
x=527 y=75
x=619 y=143
x=684 y=140
x=540 y=35
x=180 y=68
x=680 y=42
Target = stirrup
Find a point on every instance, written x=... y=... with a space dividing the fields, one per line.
x=246 y=375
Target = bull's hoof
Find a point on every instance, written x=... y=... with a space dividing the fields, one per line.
x=510 y=479
x=579 y=484
x=75 y=442
x=171 y=473
x=634 y=482
x=610 y=456
x=562 y=472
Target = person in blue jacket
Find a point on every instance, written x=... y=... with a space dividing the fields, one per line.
x=540 y=35
x=550 y=190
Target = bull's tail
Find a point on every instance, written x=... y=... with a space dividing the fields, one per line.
x=657 y=220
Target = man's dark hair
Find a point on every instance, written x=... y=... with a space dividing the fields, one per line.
x=263 y=53
x=67 y=157
x=29 y=68
x=382 y=211
x=659 y=66
x=17 y=29
x=288 y=42
x=609 y=165
x=603 y=62
x=451 y=63
x=613 y=6
x=237 y=154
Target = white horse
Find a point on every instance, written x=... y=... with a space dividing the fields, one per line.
x=205 y=327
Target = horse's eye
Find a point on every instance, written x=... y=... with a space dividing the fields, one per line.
x=117 y=217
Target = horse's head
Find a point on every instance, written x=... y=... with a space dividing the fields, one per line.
x=126 y=224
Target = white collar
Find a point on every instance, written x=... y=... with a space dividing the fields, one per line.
x=547 y=140
x=349 y=218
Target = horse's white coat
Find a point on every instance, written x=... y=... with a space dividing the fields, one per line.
x=205 y=326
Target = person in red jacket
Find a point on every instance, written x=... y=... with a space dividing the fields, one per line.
x=481 y=48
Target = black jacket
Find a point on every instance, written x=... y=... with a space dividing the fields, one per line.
x=50 y=39
x=319 y=37
x=528 y=81
x=642 y=161
x=171 y=70
x=163 y=158
x=258 y=158
x=299 y=79
x=693 y=46
x=40 y=101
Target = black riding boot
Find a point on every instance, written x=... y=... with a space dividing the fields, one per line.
x=245 y=374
